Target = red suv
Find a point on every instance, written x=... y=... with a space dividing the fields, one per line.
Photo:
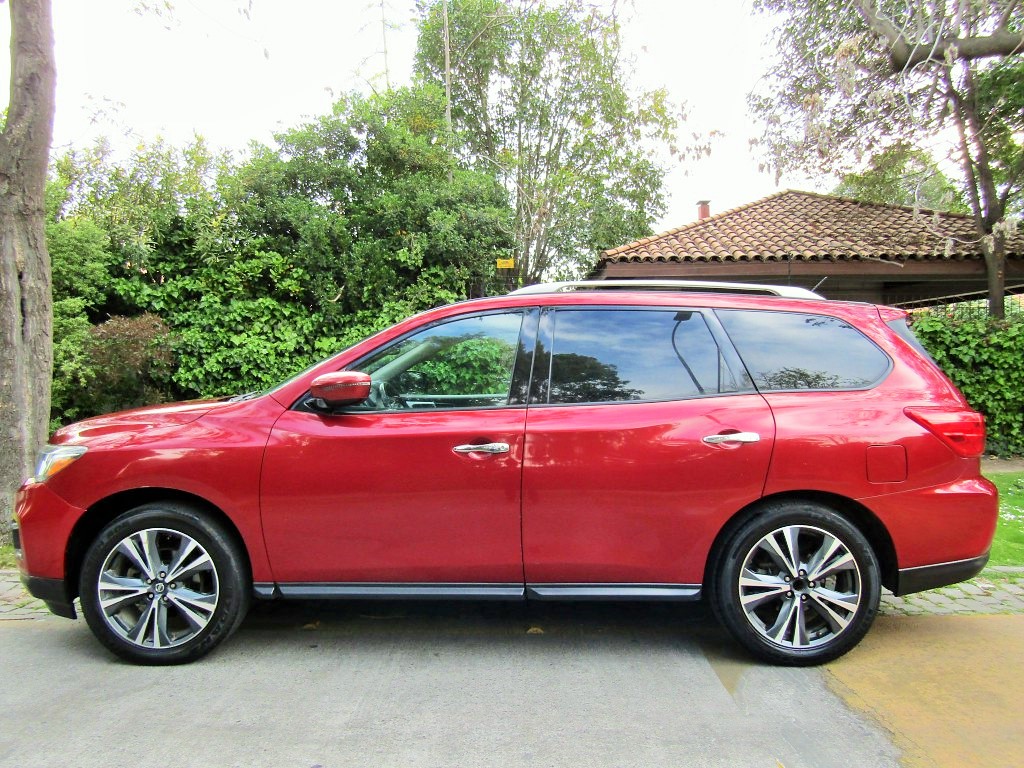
x=783 y=455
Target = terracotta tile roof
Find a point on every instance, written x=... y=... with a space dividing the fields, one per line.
x=814 y=227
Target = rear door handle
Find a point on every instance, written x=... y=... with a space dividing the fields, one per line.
x=735 y=437
x=482 y=448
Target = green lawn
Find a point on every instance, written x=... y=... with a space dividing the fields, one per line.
x=1007 y=549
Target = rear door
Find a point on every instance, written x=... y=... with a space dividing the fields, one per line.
x=644 y=435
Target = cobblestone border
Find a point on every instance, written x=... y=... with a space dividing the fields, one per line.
x=15 y=602
x=996 y=590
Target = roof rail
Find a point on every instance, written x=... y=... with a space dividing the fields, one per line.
x=683 y=286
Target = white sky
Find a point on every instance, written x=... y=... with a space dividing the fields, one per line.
x=208 y=70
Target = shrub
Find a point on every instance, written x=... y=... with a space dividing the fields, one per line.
x=73 y=370
x=984 y=358
x=125 y=362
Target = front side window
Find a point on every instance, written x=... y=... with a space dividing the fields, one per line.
x=786 y=351
x=464 y=363
x=614 y=355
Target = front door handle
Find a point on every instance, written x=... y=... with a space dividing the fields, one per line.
x=734 y=437
x=482 y=448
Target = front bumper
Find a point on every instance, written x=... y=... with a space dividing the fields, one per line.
x=41 y=528
x=45 y=522
x=53 y=592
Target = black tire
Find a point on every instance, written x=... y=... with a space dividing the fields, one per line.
x=164 y=584
x=802 y=610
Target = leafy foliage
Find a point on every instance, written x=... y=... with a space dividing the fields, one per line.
x=983 y=358
x=256 y=268
x=73 y=367
x=540 y=97
x=132 y=359
x=902 y=175
x=470 y=366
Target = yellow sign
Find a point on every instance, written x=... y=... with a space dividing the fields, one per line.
x=506 y=263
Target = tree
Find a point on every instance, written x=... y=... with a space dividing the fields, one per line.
x=539 y=96
x=25 y=304
x=902 y=175
x=352 y=222
x=855 y=77
x=348 y=223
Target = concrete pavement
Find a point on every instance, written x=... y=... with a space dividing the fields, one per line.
x=407 y=685
x=388 y=684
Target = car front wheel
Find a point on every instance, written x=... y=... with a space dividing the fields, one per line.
x=798 y=584
x=163 y=584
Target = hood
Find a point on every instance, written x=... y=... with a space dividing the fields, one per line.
x=135 y=420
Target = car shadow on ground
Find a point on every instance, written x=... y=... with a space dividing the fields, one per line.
x=656 y=624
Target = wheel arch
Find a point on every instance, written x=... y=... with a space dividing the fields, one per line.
x=857 y=514
x=100 y=514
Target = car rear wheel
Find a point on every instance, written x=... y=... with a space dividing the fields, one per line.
x=798 y=584
x=164 y=584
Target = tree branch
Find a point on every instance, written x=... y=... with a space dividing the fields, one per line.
x=905 y=54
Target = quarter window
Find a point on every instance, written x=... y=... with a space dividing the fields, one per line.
x=787 y=351
x=613 y=355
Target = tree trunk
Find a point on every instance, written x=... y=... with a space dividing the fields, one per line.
x=995 y=270
x=26 y=355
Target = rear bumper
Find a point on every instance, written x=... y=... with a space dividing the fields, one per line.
x=939 y=575
x=943 y=529
x=53 y=592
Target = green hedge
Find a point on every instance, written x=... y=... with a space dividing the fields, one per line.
x=985 y=358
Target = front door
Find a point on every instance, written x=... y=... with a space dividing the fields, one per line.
x=421 y=484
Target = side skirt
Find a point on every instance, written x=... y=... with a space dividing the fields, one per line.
x=613 y=591
x=386 y=591
x=392 y=591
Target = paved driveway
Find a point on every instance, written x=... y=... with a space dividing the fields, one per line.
x=385 y=684
x=428 y=685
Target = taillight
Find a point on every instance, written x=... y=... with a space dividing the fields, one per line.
x=961 y=429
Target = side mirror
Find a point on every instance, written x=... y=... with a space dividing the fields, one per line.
x=341 y=388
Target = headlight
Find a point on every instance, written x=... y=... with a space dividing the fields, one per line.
x=53 y=458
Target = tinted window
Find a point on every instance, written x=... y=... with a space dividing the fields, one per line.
x=789 y=350
x=612 y=355
x=465 y=363
x=900 y=327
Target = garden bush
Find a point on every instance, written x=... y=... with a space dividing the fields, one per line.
x=122 y=363
x=985 y=359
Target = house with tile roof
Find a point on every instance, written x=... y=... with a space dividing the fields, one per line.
x=848 y=249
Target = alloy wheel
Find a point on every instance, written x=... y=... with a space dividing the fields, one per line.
x=158 y=588
x=800 y=587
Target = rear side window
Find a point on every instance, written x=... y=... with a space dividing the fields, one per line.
x=787 y=351
x=611 y=355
